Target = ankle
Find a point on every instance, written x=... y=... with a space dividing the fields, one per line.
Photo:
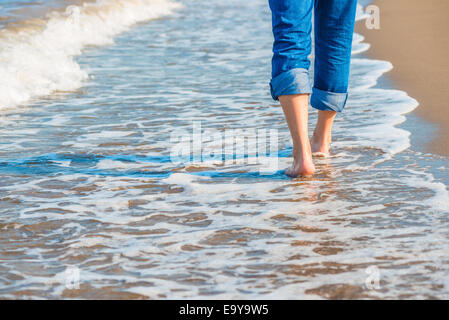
x=302 y=153
x=321 y=144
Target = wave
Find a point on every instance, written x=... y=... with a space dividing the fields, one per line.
x=37 y=59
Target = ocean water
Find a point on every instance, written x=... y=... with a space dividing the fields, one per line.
x=93 y=205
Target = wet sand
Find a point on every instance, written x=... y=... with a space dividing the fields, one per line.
x=413 y=37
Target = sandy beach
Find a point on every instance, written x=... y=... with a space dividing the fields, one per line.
x=413 y=37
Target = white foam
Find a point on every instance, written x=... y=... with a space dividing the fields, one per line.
x=440 y=200
x=39 y=61
x=105 y=135
x=113 y=164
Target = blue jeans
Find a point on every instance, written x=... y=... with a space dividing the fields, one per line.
x=333 y=31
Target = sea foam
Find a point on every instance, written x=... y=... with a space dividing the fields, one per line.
x=37 y=59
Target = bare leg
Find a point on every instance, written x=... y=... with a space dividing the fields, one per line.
x=295 y=109
x=322 y=135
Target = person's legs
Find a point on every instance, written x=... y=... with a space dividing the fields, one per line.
x=334 y=27
x=295 y=109
x=322 y=135
x=292 y=25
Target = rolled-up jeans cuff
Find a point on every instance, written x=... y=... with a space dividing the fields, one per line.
x=328 y=101
x=293 y=81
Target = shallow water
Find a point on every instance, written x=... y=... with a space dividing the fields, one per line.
x=87 y=179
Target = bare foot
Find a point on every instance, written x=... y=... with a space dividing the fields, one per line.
x=301 y=166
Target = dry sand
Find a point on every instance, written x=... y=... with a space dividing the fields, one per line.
x=413 y=35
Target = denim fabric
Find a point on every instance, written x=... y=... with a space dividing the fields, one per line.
x=333 y=31
x=292 y=81
x=327 y=100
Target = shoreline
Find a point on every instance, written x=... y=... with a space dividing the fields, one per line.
x=412 y=36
